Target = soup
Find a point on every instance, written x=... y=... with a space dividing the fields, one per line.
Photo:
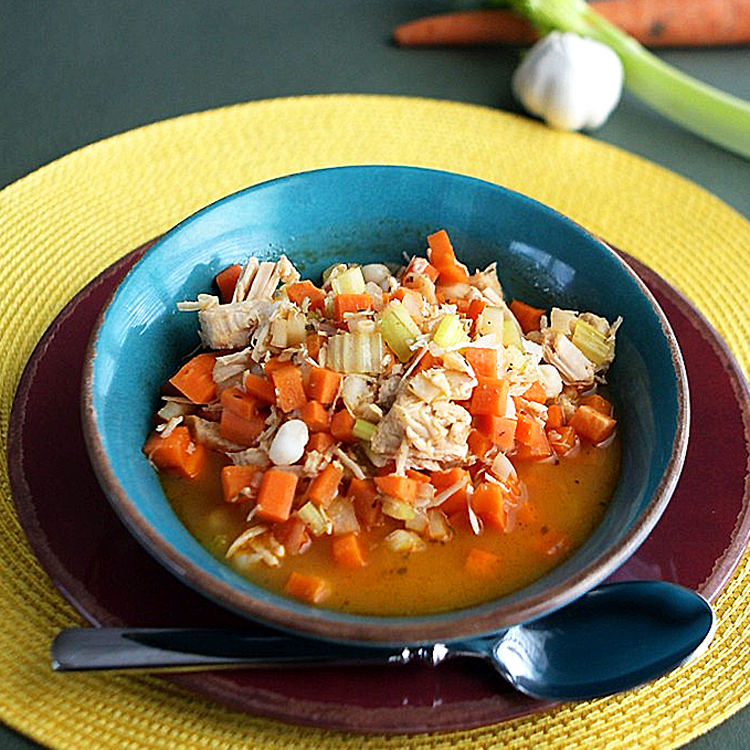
x=389 y=442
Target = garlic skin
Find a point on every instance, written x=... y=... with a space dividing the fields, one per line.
x=571 y=82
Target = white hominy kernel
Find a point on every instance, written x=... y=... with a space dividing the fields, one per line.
x=289 y=443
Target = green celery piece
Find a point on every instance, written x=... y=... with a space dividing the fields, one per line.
x=592 y=342
x=398 y=329
x=350 y=281
x=450 y=331
x=363 y=430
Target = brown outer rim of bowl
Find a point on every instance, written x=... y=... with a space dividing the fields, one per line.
x=322 y=623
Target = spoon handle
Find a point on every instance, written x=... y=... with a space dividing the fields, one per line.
x=165 y=649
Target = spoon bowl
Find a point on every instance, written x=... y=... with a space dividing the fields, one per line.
x=613 y=638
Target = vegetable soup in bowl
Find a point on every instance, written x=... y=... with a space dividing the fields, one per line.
x=385 y=404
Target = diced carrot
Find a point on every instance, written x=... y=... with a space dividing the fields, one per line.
x=290 y=390
x=350 y=303
x=418 y=476
x=260 y=388
x=441 y=255
x=441 y=480
x=427 y=362
x=342 y=424
x=362 y=489
x=483 y=361
x=307 y=588
x=400 y=487
x=490 y=397
x=595 y=401
x=500 y=431
x=535 y=392
x=315 y=416
x=528 y=317
x=419 y=266
x=459 y=520
x=476 y=308
x=323 y=385
x=562 y=439
x=555 y=416
x=347 y=551
x=591 y=424
x=481 y=563
x=195 y=378
x=234 y=479
x=226 y=281
x=176 y=452
x=325 y=486
x=240 y=430
x=488 y=503
x=531 y=435
x=302 y=290
x=364 y=496
x=240 y=402
x=479 y=443
x=320 y=442
x=274 y=363
x=293 y=534
x=314 y=342
x=276 y=495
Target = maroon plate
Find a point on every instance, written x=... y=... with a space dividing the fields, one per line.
x=110 y=580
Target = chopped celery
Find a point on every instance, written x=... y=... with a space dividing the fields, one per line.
x=350 y=281
x=491 y=321
x=356 y=352
x=592 y=343
x=314 y=519
x=405 y=541
x=396 y=508
x=399 y=329
x=363 y=430
x=511 y=333
x=450 y=331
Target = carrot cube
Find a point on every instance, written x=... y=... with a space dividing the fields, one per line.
x=276 y=495
x=176 y=452
x=195 y=379
x=325 y=486
x=395 y=485
x=240 y=430
x=260 y=388
x=290 y=390
x=488 y=503
x=483 y=361
x=239 y=402
x=591 y=424
x=226 y=281
x=500 y=431
x=320 y=442
x=323 y=385
x=315 y=416
x=490 y=397
x=234 y=479
x=302 y=290
x=342 y=425
x=528 y=317
x=481 y=563
x=347 y=551
x=307 y=588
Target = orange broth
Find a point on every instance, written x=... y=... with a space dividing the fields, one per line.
x=567 y=499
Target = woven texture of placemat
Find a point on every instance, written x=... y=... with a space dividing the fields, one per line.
x=66 y=222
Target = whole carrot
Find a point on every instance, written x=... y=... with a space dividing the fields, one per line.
x=654 y=23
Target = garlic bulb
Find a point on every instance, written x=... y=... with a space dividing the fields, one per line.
x=571 y=82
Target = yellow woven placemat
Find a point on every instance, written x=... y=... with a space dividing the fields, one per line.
x=63 y=224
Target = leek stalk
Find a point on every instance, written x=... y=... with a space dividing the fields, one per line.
x=714 y=115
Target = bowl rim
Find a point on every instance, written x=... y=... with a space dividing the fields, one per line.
x=286 y=614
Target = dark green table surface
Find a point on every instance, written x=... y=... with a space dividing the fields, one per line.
x=78 y=71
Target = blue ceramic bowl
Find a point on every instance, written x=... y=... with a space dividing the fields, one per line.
x=365 y=214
